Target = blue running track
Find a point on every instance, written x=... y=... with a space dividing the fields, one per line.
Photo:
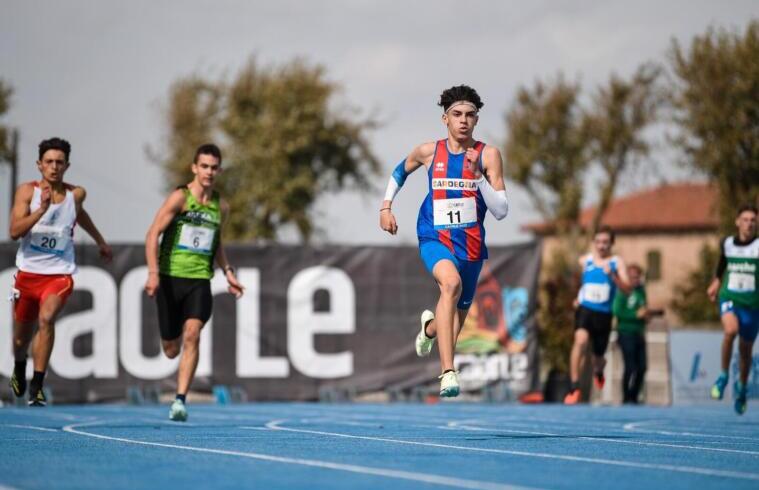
x=399 y=446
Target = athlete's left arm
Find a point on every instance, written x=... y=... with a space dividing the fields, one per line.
x=491 y=184
x=221 y=257
x=84 y=220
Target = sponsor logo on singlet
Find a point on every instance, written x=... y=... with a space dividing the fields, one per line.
x=741 y=267
x=200 y=216
x=454 y=184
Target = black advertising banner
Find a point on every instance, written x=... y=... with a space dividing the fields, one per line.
x=336 y=317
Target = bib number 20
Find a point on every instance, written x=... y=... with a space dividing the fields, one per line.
x=47 y=242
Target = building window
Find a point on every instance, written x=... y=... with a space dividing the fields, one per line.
x=653 y=265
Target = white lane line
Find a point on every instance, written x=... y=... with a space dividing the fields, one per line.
x=634 y=427
x=365 y=470
x=46 y=413
x=602 y=439
x=170 y=423
x=32 y=427
x=276 y=425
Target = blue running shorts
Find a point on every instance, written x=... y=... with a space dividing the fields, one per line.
x=433 y=252
x=748 y=319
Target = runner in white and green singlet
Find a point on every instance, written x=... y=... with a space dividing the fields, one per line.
x=735 y=283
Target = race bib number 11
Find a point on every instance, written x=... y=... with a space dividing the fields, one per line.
x=454 y=213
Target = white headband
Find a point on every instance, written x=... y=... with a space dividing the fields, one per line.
x=462 y=102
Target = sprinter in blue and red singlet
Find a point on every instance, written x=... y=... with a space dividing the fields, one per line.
x=465 y=180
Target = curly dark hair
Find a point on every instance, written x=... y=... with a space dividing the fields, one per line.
x=459 y=92
x=55 y=144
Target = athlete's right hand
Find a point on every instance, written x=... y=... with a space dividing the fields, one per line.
x=713 y=289
x=151 y=285
x=46 y=197
x=387 y=222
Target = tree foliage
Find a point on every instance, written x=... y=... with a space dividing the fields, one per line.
x=690 y=301
x=5 y=133
x=284 y=143
x=716 y=102
x=547 y=148
x=557 y=291
x=553 y=141
x=616 y=123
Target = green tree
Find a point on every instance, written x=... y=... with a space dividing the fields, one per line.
x=552 y=142
x=547 y=152
x=557 y=291
x=283 y=141
x=5 y=133
x=716 y=103
x=547 y=149
x=690 y=301
x=620 y=113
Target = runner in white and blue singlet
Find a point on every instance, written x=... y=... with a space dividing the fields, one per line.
x=465 y=180
x=602 y=274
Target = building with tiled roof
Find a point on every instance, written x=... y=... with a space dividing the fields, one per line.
x=663 y=229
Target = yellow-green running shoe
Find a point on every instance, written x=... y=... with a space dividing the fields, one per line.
x=37 y=399
x=449 y=384
x=718 y=390
x=18 y=384
x=741 y=394
x=423 y=343
x=178 y=412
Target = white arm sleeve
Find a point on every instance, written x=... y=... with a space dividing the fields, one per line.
x=392 y=189
x=497 y=202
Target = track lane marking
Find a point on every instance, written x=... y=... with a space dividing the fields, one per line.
x=32 y=427
x=602 y=439
x=276 y=425
x=633 y=427
x=366 y=470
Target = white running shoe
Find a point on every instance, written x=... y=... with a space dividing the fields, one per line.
x=423 y=343
x=449 y=384
x=178 y=412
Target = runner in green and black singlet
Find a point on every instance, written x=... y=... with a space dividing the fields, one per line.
x=189 y=243
x=179 y=276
